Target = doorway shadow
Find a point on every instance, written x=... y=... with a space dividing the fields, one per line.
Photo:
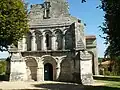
x=48 y=72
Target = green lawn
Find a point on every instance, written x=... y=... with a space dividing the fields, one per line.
x=112 y=84
x=108 y=85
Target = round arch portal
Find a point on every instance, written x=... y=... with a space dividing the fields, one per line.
x=48 y=72
x=49 y=66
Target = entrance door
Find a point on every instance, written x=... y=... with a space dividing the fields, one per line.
x=48 y=72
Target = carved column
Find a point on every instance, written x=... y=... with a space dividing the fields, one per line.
x=58 y=71
x=24 y=46
x=63 y=42
x=56 y=42
x=33 y=42
x=53 y=42
x=44 y=42
x=40 y=74
x=40 y=70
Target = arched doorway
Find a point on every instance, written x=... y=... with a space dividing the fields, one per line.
x=48 y=72
x=31 y=68
x=93 y=63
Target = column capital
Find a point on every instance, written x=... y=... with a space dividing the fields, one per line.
x=60 y=59
x=33 y=34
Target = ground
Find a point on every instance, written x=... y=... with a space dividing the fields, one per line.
x=50 y=85
x=46 y=85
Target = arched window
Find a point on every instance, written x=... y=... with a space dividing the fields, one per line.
x=59 y=39
x=28 y=41
x=68 y=40
x=47 y=41
x=38 y=36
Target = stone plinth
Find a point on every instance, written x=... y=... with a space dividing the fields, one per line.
x=18 y=68
x=86 y=68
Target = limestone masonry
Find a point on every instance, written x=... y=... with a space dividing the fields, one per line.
x=55 y=48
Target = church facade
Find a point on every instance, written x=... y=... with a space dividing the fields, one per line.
x=55 y=47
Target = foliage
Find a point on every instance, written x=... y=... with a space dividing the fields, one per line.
x=111 y=26
x=116 y=66
x=100 y=59
x=2 y=67
x=113 y=68
x=13 y=22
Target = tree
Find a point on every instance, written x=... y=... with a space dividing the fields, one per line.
x=13 y=22
x=2 y=66
x=111 y=26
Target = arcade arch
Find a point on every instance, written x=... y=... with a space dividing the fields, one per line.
x=38 y=36
x=49 y=67
x=59 y=38
x=32 y=65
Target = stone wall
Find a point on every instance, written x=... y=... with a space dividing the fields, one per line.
x=86 y=68
x=55 y=39
x=91 y=46
x=17 y=68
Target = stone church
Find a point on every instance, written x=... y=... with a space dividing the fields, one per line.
x=55 y=48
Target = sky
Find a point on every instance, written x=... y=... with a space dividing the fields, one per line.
x=89 y=14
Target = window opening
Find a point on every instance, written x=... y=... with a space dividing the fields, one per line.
x=47 y=40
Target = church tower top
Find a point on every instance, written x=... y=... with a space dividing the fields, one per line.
x=57 y=8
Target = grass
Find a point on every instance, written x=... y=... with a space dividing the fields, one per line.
x=112 y=84
x=109 y=81
x=107 y=78
x=108 y=84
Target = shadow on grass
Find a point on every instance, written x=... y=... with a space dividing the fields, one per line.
x=60 y=86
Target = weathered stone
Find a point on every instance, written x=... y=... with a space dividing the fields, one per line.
x=55 y=47
x=17 y=68
x=91 y=46
x=86 y=68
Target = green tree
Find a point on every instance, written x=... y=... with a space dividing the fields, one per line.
x=111 y=29
x=2 y=67
x=111 y=26
x=13 y=22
